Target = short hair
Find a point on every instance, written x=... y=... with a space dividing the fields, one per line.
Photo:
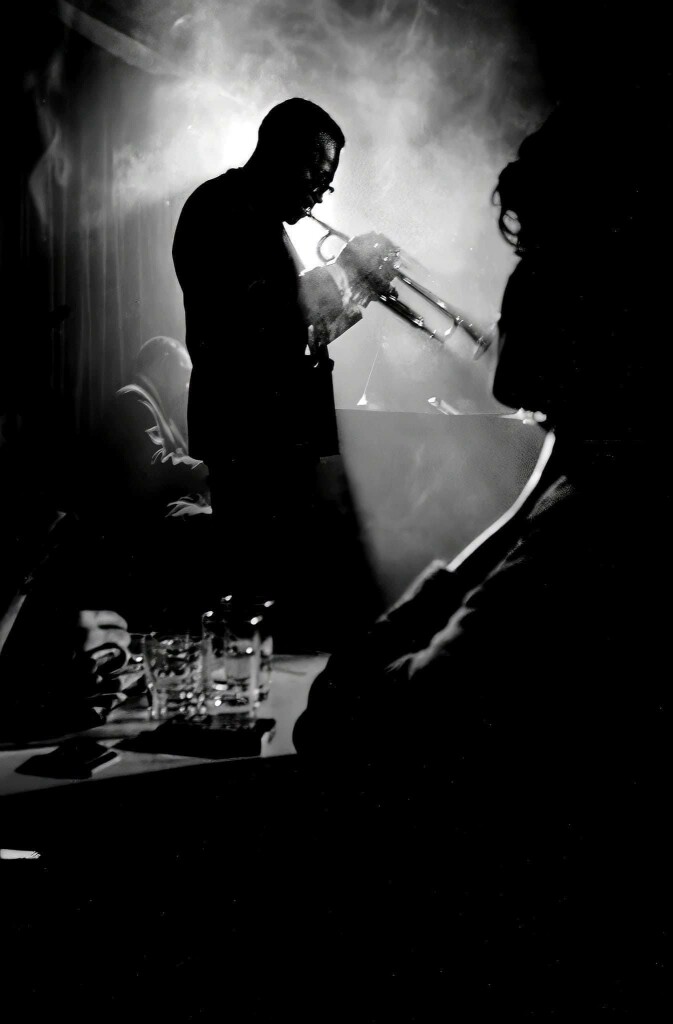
x=298 y=121
x=534 y=189
x=574 y=179
x=155 y=351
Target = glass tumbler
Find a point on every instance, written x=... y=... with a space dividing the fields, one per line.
x=174 y=672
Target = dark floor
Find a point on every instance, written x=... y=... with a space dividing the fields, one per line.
x=260 y=895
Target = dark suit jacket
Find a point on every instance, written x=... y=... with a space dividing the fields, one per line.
x=533 y=667
x=252 y=390
x=490 y=760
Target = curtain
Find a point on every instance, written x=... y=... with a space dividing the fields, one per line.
x=110 y=282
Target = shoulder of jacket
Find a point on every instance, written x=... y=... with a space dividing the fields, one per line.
x=211 y=190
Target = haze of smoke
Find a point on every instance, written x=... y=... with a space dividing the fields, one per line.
x=422 y=95
x=431 y=100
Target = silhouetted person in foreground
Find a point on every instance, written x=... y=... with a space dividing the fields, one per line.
x=509 y=710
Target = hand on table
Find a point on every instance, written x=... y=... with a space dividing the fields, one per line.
x=101 y=649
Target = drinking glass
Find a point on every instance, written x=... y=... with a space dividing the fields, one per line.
x=238 y=651
x=262 y=610
x=174 y=671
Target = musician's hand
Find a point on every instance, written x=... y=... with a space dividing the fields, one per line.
x=371 y=262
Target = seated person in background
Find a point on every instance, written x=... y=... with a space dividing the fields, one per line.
x=161 y=383
x=57 y=650
x=142 y=463
x=518 y=690
x=141 y=489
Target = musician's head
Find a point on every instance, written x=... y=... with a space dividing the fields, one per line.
x=571 y=335
x=296 y=157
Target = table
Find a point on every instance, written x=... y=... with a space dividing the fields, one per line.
x=35 y=809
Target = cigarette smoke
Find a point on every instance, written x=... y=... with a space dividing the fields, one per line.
x=433 y=100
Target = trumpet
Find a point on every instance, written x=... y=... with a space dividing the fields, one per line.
x=390 y=298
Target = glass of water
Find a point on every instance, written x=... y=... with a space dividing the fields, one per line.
x=263 y=612
x=174 y=672
x=237 y=661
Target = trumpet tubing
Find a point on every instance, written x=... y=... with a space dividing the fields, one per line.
x=391 y=300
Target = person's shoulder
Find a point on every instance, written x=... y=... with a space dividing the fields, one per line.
x=217 y=199
x=560 y=498
x=220 y=189
x=557 y=519
x=133 y=395
x=573 y=527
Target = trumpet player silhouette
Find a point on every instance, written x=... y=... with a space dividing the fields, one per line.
x=261 y=403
